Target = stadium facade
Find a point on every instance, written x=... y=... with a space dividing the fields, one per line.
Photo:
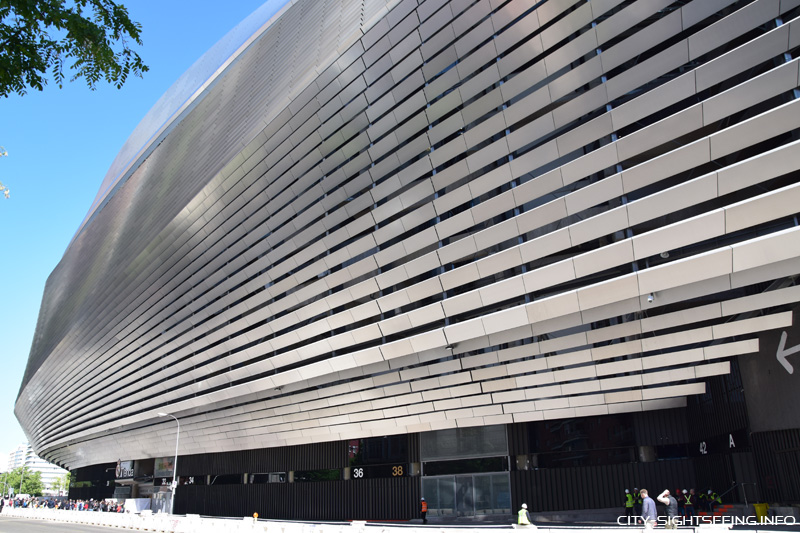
x=482 y=251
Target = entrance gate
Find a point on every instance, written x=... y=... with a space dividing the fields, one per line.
x=467 y=495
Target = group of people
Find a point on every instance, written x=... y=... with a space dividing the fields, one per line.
x=25 y=503
x=69 y=505
x=100 y=506
x=681 y=505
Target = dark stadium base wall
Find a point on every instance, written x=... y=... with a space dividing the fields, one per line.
x=92 y=482
x=777 y=458
x=543 y=489
x=369 y=499
x=91 y=493
x=596 y=487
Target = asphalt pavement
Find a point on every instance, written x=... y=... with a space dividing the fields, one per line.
x=21 y=525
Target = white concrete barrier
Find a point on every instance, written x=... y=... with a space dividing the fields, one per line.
x=165 y=523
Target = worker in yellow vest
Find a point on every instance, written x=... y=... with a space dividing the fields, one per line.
x=690 y=501
x=628 y=503
x=523 y=517
x=713 y=500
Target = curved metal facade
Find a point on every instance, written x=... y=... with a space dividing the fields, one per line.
x=399 y=217
x=181 y=96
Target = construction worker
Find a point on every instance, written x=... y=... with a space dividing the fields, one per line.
x=523 y=517
x=689 y=501
x=423 y=510
x=713 y=500
x=637 y=502
x=628 y=503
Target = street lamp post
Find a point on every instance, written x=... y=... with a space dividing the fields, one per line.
x=3 y=189
x=175 y=462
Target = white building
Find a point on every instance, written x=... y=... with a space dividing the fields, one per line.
x=24 y=456
x=17 y=457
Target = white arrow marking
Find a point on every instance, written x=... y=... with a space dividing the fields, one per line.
x=783 y=353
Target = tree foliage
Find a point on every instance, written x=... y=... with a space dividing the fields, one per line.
x=31 y=482
x=89 y=38
x=61 y=484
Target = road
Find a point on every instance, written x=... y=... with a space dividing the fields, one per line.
x=21 y=525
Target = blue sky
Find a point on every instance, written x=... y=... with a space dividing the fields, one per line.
x=61 y=142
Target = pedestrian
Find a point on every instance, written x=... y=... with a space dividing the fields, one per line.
x=628 y=504
x=672 y=509
x=649 y=513
x=523 y=516
x=423 y=510
x=637 y=502
x=677 y=495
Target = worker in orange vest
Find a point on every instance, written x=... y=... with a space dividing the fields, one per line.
x=423 y=510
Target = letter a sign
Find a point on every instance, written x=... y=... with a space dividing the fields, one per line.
x=731 y=444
